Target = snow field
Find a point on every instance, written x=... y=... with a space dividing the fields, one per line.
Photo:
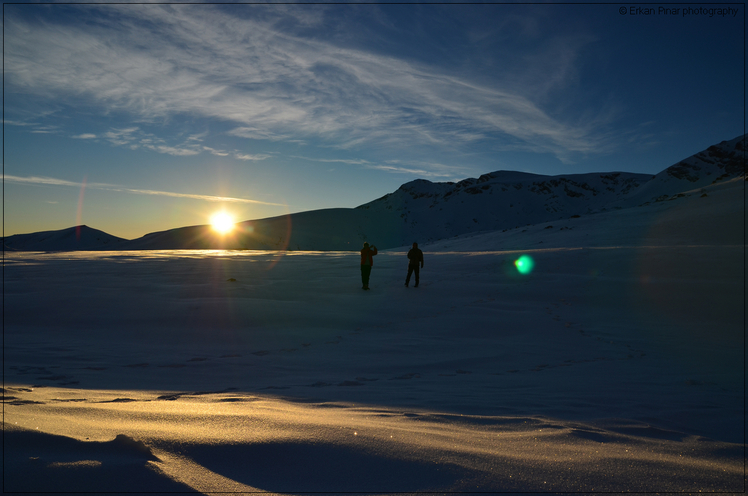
x=226 y=378
x=616 y=365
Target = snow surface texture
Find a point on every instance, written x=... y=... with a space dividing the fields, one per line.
x=616 y=365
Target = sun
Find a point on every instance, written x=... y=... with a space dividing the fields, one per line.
x=222 y=222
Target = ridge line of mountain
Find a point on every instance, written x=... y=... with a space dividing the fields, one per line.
x=428 y=211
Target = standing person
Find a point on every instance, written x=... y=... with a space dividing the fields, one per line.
x=415 y=257
x=367 y=260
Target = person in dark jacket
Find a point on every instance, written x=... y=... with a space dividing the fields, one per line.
x=415 y=258
x=367 y=261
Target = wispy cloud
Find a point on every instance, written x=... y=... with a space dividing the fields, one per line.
x=271 y=84
x=134 y=138
x=121 y=136
x=401 y=170
x=111 y=187
x=46 y=130
x=334 y=160
x=210 y=198
x=213 y=151
x=257 y=134
x=11 y=122
x=53 y=182
x=249 y=156
x=423 y=169
x=173 y=150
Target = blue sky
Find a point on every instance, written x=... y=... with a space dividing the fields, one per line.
x=139 y=118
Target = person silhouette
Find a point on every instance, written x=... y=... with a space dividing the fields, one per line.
x=415 y=258
x=367 y=261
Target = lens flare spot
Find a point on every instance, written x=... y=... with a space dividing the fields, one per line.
x=222 y=222
x=524 y=264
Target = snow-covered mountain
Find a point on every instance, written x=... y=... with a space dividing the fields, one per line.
x=506 y=200
x=501 y=200
x=717 y=163
x=426 y=211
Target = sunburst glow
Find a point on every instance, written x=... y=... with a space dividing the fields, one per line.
x=222 y=222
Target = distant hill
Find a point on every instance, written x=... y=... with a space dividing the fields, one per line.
x=70 y=239
x=326 y=229
x=425 y=211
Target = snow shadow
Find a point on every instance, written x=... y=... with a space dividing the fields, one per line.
x=48 y=464
x=293 y=467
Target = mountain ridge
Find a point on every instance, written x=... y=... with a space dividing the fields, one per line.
x=426 y=211
x=73 y=238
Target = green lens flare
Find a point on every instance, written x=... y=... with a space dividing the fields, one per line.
x=524 y=264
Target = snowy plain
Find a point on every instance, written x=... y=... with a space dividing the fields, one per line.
x=616 y=365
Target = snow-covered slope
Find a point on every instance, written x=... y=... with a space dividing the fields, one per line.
x=506 y=200
x=72 y=238
x=501 y=200
x=715 y=164
x=709 y=216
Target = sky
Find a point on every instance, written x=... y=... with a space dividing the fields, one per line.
x=136 y=118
